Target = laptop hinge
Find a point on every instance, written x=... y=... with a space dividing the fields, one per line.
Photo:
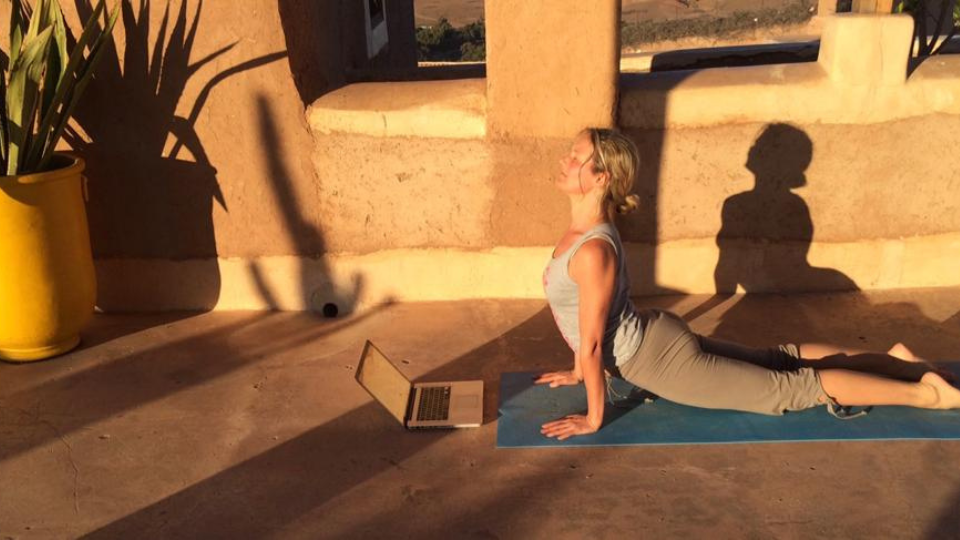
x=413 y=398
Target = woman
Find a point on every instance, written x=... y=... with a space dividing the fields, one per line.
x=587 y=287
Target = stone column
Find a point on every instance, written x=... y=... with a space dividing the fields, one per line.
x=826 y=7
x=873 y=6
x=552 y=67
x=866 y=50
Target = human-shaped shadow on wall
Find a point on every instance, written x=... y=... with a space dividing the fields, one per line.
x=766 y=232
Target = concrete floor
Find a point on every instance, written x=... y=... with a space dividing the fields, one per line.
x=250 y=425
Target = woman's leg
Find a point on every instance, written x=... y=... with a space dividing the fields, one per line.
x=780 y=358
x=671 y=363
x=898 y=363
x=815 y=351
x=850 y=388
x=822 y=356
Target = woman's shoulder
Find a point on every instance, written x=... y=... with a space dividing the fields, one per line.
x=595 y=257
x=605 y=233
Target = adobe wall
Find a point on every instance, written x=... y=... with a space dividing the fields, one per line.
x=250 y=177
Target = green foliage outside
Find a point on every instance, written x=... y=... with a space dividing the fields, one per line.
x=444 y=43
x=636 y=33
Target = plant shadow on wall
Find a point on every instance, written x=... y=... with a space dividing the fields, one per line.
x=319 y=291
x=145 y=202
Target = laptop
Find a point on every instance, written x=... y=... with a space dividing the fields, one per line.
x=423 y=405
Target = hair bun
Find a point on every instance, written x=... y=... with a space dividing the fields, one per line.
x=630 y=203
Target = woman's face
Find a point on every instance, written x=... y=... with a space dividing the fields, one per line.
x=576 y=169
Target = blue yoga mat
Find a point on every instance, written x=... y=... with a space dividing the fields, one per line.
x=524 y=407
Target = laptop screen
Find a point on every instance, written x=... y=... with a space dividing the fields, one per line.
x=384 y=381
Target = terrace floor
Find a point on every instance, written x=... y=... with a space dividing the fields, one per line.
x=250 y=425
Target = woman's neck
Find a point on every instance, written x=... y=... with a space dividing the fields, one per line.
x=585 y=213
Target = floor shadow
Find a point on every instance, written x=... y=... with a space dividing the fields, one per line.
x=947 y=525
x=102 y=386
x=277 y=487
x=294 y=485
x=146 y=202
x=104 y=328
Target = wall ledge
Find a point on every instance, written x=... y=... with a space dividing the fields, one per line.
x=799 y=93
x=357 y=282
x=432 y=109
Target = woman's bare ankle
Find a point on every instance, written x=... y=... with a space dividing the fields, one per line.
x=939 y=393
x=901 y=351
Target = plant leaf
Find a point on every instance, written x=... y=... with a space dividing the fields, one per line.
x=56 y=63
x=65 y=88
x=22 y=96
x=56 y=68
x=59 y=35
x=3 y=121
x=16 y=30
x=96 y=54
x=33 y=28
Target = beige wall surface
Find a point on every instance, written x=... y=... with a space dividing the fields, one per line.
x=832 y=183
x=551 y=71
x=212 y=184
x=779 y=181
x=194 y=131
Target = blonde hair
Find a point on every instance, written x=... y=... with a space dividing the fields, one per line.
x=616 y=155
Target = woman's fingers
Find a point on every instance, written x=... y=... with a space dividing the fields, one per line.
x=554 y=379
x=569 y=419
x=556 y=424
x=563 y=428
x=558 y=430
x=546 y=377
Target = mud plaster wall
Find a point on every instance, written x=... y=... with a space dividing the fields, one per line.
x=199 y=149
x=862 y=182
x=194 y=131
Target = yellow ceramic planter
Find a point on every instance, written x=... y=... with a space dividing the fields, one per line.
x=47 y=281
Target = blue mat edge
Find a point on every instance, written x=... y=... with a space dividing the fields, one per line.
x=578 y=442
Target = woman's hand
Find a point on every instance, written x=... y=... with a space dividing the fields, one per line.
x=558 y=378
x=574 y=424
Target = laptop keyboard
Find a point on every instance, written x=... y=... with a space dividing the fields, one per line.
x=434 y=404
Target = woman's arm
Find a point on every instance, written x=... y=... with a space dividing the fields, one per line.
x=593 y=268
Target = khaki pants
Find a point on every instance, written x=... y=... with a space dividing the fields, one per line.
x=690 y=369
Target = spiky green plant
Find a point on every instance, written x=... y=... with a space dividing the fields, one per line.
x=41 y=83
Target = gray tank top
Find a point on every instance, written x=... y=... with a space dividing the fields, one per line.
x=623 y=331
